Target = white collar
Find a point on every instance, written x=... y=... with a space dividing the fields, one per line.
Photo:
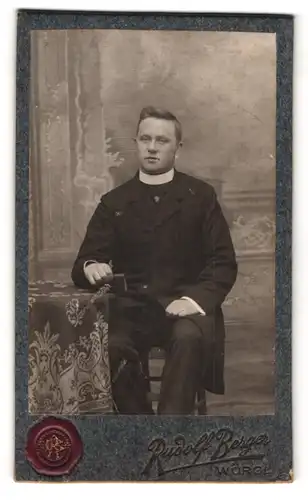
x=156 y=179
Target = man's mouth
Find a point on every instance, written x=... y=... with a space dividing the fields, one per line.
x=152 y=158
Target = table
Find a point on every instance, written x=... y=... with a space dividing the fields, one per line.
x=68 y=350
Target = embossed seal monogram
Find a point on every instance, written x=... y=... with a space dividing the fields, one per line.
x=54 y=446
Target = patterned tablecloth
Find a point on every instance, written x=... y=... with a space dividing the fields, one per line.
x=68 y=350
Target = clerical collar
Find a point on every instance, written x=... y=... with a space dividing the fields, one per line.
x=156 y=179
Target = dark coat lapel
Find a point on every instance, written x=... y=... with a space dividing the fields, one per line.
x=137 y=200
x=171 y=203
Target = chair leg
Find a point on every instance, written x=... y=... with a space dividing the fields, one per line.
x=146 y=370
x=201 y=402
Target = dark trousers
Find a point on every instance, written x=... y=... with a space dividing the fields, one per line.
x=136 y=325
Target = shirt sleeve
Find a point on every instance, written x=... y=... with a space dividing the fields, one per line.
x=198 y=308
x=87 y=262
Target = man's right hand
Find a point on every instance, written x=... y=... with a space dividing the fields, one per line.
x=96 y=272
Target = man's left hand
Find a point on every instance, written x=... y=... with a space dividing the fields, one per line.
x=181 y=307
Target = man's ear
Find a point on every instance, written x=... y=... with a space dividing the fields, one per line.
x=180 y=144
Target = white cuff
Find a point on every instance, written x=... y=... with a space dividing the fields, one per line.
x=88 y=262
x=198 y=308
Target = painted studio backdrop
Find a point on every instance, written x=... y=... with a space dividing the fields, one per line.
x=87 y=90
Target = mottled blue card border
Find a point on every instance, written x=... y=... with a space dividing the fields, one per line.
x=116 y=448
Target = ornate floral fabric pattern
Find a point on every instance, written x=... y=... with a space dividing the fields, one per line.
x=75 y=314
x=68 y=350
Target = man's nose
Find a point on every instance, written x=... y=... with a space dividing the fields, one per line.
x=152 y=147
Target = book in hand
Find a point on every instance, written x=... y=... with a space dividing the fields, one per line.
x=118 y=284
x=116 y=281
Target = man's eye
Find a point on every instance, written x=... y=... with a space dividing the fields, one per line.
x=162 y=141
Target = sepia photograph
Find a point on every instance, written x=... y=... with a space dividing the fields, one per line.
x=152 y=209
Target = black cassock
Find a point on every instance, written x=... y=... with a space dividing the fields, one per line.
x=170 y=241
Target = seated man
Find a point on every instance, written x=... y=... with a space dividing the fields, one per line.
x=165 y=231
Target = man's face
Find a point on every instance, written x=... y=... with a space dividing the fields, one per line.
x=156 y=145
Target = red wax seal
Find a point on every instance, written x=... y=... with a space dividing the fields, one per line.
x=54 y=446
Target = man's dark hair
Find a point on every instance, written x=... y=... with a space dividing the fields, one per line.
x=163 y=114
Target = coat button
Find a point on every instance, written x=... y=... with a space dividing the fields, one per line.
x=145 y=287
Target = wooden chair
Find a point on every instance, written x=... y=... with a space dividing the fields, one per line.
x=155 y=353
